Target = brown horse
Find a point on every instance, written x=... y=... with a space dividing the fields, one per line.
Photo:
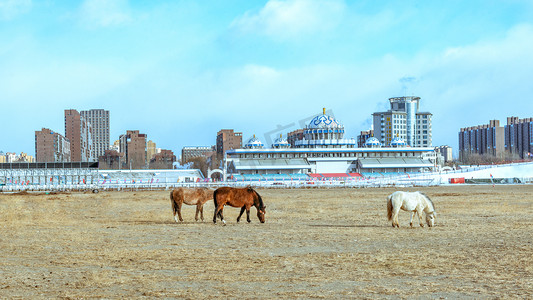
x=235 y=197
x=190 y=197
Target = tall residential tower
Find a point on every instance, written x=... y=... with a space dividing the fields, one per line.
x=404 y=120
x=99 y=120
x=79 y=132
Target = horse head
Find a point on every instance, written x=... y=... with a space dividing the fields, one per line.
x=260 y=206
x=261 y=214
x=430 y=218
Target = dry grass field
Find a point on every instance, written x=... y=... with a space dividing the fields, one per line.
x=334 y=243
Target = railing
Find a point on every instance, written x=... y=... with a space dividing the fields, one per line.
x=403 y=180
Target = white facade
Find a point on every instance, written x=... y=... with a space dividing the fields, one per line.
x=404 y=120
x=324 y=151
x=99 y=120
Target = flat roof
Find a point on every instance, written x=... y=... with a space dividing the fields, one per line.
x=331 y=150
x=49 y=165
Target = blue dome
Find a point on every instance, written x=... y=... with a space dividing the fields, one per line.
x=324 y=121
x=372 y=142
x=398 y=142
x=281 y=143
x=253 y=142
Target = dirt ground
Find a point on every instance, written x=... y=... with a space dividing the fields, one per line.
x=328 y=243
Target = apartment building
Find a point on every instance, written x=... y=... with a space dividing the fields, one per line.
x=51 y=146
x=133 y=145
x=482 y=139
x=404 y=120
x=519 y=136
x=228 y=139
x=190 y=152
x=363 y=136
x=99 y=121
x=294 y=136
x=79 y=133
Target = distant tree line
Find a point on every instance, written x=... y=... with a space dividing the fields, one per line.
x=487 y=159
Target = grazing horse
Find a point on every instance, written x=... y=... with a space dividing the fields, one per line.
x=190 y=197
x=238 y=197
x=413 y=202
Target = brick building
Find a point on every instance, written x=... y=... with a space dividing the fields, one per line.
x=112 y=160
x=293 y=136
x=51 y=146
x=190 y=152
x=163 y=160
x=228 y=139
x=133 y=145
x=79 y=133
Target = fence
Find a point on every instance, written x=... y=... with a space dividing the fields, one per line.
x=13 y=180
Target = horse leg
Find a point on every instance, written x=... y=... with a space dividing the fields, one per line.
x=215 y=214
x=420 y=218
x=242 y=211
x=221 y=215
x=202 y=212
x=248 y=215
x=175 y=211
x=412 y=216
x=395 y=213
x=218 y=212
x=179 y=212
x=197 y=211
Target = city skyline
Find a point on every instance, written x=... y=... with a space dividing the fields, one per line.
x=181 y=71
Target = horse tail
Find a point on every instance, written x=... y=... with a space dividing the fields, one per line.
x=174 y=208
x=215 y=198
x=389 y=207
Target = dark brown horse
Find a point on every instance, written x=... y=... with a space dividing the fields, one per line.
x=190 y=197
x=235 y=197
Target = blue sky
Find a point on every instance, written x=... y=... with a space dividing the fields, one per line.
x=180 y=71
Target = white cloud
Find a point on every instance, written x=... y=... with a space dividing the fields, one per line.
x=9 y=9
x=463 y=86
x=282 y=19
x=470 y=85
x=104 y=13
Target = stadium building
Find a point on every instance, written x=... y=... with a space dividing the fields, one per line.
x=324 y=152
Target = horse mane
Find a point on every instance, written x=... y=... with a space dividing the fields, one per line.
x=429 y=200
x=261 y=204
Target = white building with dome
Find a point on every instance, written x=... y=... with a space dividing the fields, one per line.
x=325 y=152
x=254 y=143
x=325 y=132
x=281 y=143
x=372 y=143
x=398 y=142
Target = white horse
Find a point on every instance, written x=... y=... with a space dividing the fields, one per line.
x=415 y=202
